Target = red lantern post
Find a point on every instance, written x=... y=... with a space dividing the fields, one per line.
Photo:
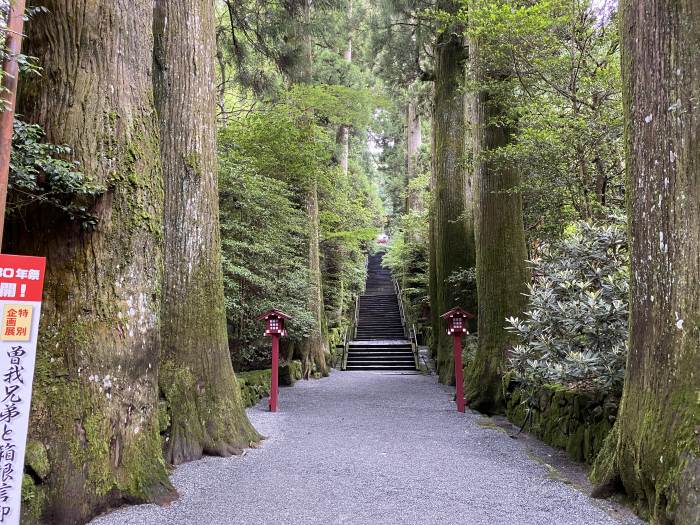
x=456 y=326
x=274 y=327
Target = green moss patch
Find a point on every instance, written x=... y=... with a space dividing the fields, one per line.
x=573 y=421
x=255 y=385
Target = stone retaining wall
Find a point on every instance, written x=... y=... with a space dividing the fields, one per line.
x=255 y=385
x=570 y=420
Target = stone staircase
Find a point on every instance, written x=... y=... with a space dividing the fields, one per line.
x=380 y=343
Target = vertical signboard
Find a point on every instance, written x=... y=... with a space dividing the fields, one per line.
x=21 y=284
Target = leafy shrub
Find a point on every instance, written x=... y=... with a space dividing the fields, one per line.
x=40 y=175
x=575 y=330
x=264 y=226
x=407 y=257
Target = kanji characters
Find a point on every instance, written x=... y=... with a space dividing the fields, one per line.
x=14 y=373
x=11 y=394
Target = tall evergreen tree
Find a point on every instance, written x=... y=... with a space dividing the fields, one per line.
x=299 y=70
x=196 y=375
x=414 y=140
x=95 y=398
x=453 y=237
x=654 y=449
x=343 y=137
x=501 y=271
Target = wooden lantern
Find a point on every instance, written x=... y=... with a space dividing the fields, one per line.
x=274 y=322
x=457 y=321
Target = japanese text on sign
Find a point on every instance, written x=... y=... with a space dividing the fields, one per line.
x=21 y=282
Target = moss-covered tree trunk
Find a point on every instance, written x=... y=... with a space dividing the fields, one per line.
x=501 y=253
x=452 y=217
x=314 y=346
x=435 y=313
x=95 y=403
x=655 y=447
x=196 y=378
x=299 y=70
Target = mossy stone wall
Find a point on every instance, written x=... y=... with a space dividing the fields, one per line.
x=573 y=421
x=255 y=384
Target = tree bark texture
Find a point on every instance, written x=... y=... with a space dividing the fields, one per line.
x=314 y=346
x=343 y=135
x=452 y=218
x=413 y=144
x=501 y=252
x=654 y=450
x=197 y=379
x=435 y=313
x=95 y=393
x=297 y=60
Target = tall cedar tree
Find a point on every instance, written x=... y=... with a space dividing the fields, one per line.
x=453 y=234
x=196 y=377
x=343 y=135
x=299 y=70
x=413 y=144
x=95 y=393
x=501 y=252
x=654 y=448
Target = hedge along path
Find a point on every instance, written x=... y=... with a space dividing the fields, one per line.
x=363 y=447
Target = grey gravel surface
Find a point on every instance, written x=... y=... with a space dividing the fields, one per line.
x=370 y=448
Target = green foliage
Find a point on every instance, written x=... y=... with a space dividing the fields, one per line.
x=407 y=257
x=575 y=330
x=334 y=104
x=264 y=159
x=267 y=161
x=40 y=175
x=564 y=94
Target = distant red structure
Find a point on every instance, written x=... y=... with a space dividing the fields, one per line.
x=456 y=326
x=274 y=327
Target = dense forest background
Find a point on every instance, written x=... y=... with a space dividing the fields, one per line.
x=187 y=167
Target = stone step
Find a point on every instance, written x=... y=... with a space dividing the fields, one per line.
x=379 y=330
x=391 y=333
x=379 y=368
x=403 y=361
x=379 y=352
x=408 y=364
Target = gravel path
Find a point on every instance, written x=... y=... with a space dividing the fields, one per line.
x=368 y=448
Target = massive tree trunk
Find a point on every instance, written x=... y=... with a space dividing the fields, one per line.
x=413 y=144
x=197 y=379
x=452 y=218
x=435 y=313
x=95 y=392
x=654 y=448
x=501 y=252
